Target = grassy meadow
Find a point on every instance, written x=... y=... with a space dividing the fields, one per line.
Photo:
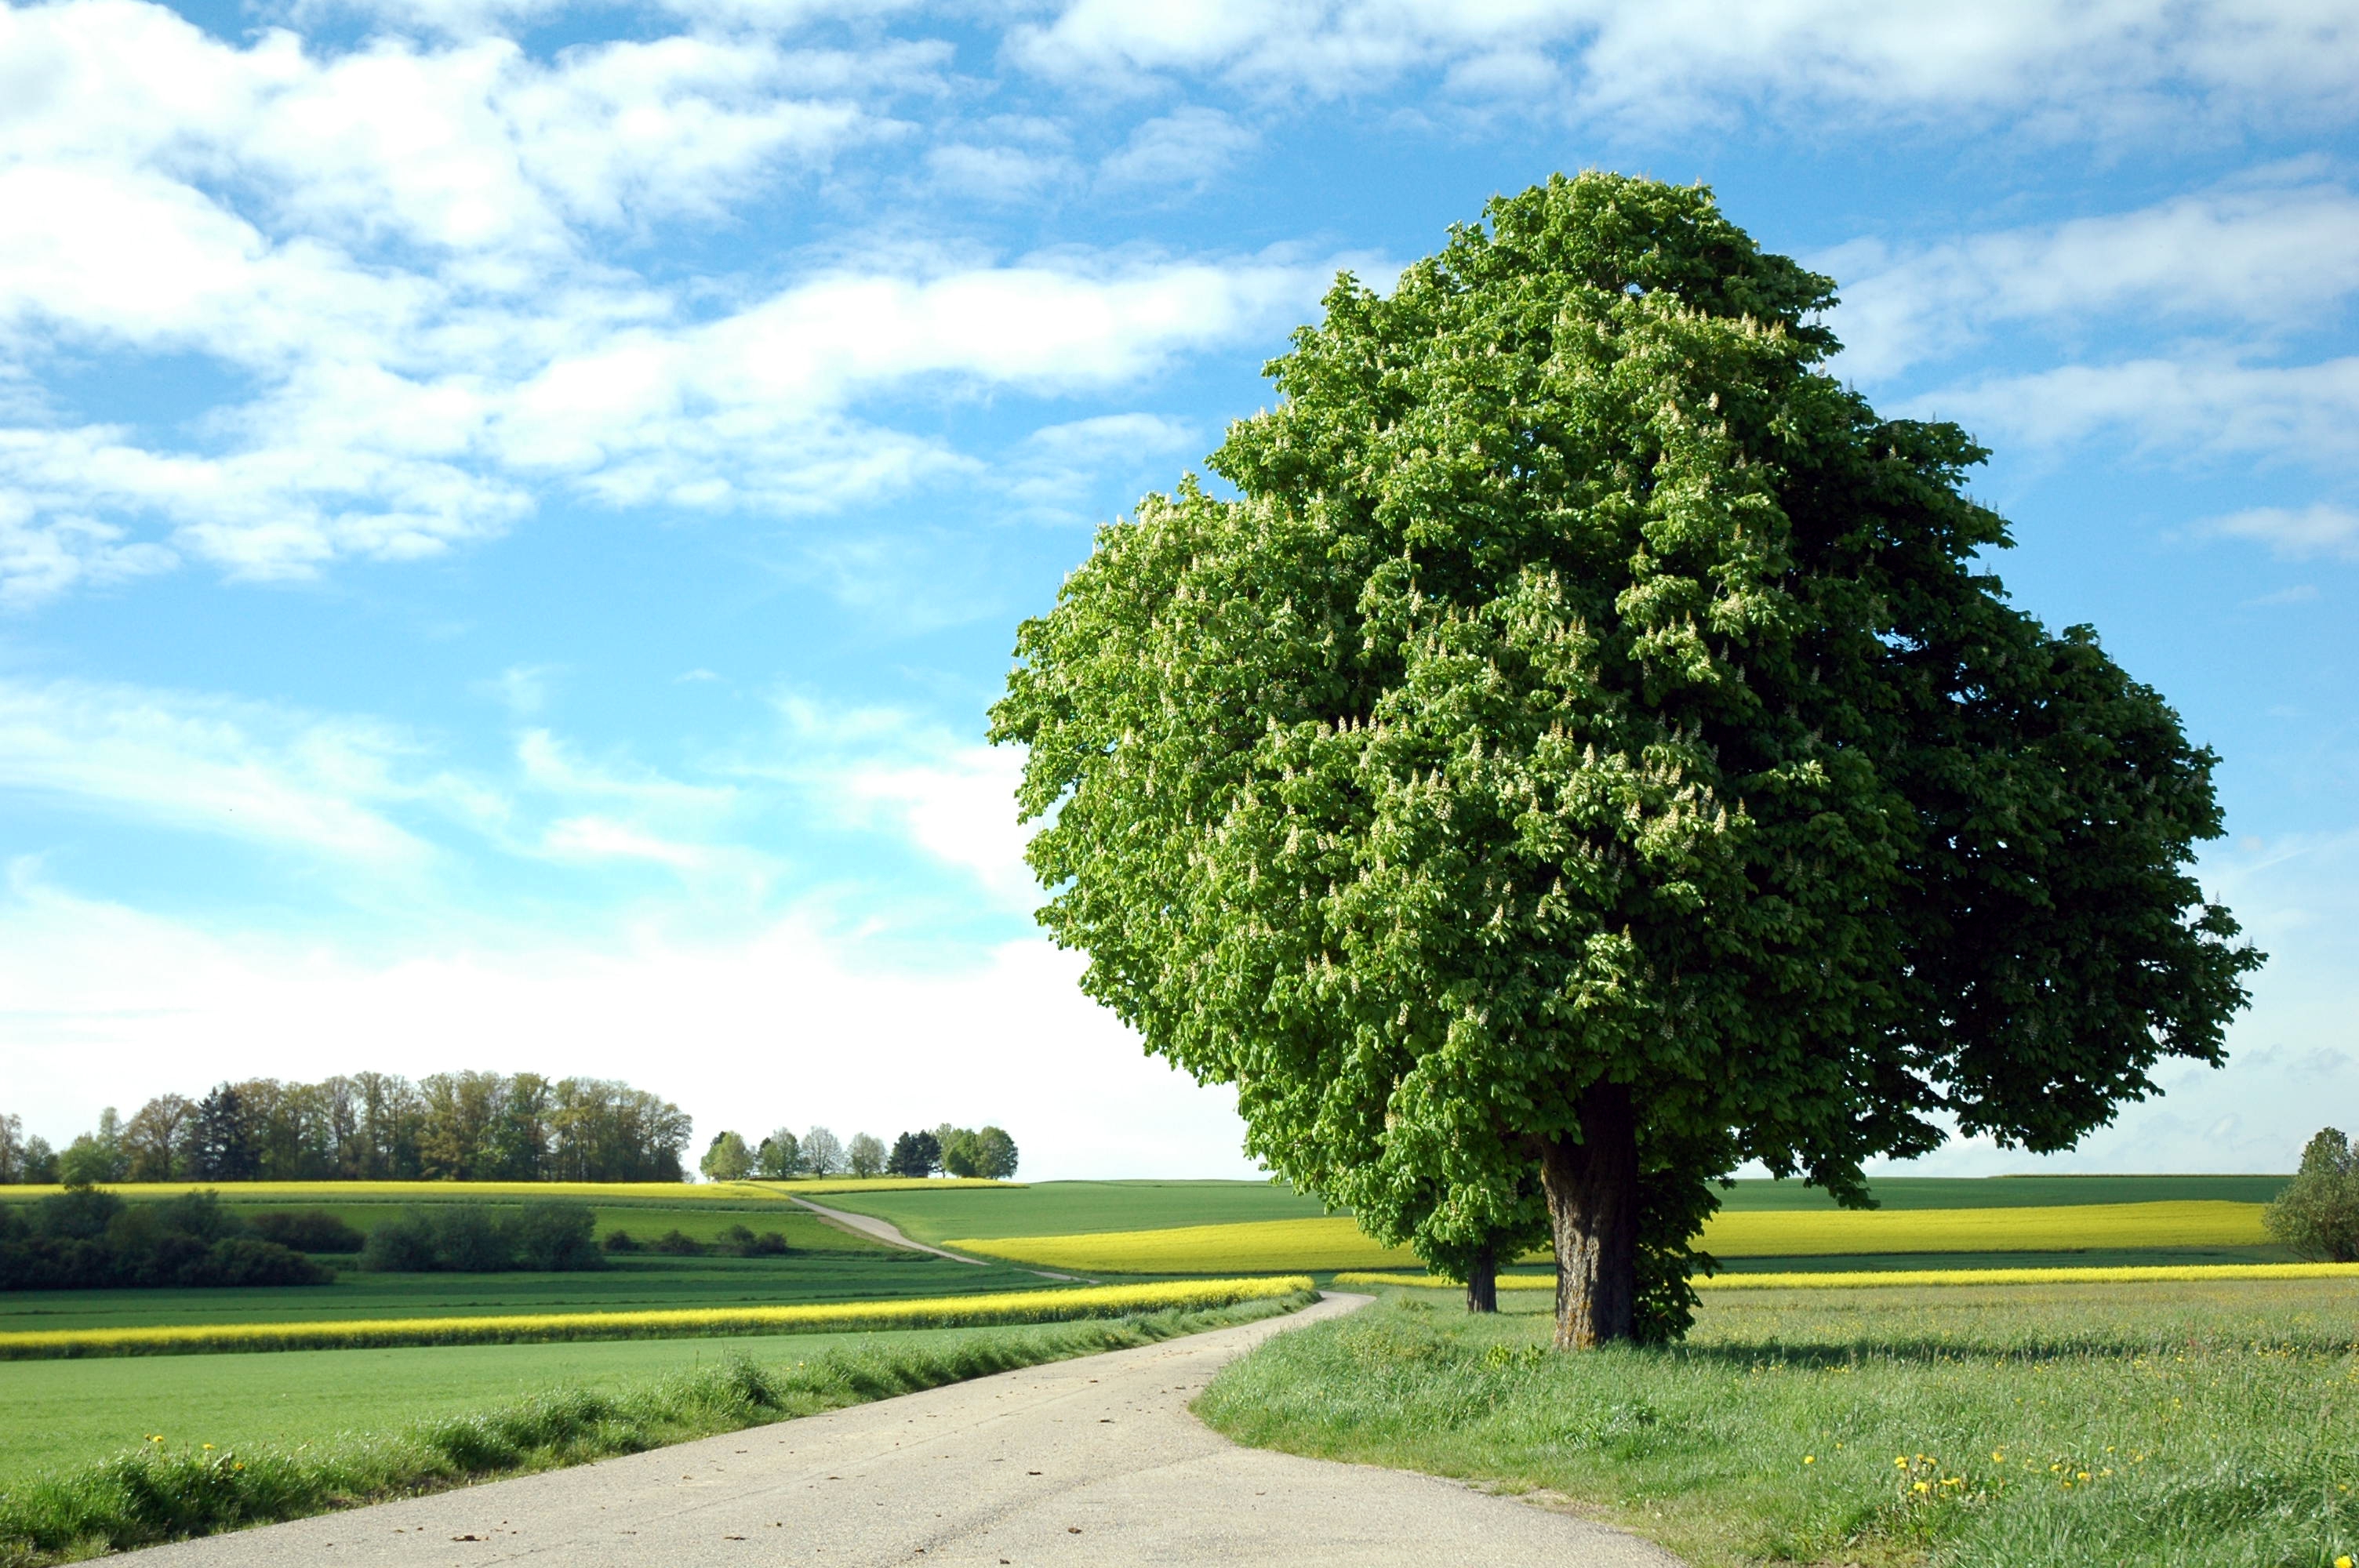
x=2201 y=1424
x=287 y=1447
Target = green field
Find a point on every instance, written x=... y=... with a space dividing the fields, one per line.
x=2208 y=1425
x=1064 y=1208
x=303 y=1451
x=631 y=1284
x=75 y=1411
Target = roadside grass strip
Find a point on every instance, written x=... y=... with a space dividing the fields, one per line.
x=162 y=1491
x=2142 y=1274
x=2192 y=1424
x=939 y=1312
x=1336 y=1242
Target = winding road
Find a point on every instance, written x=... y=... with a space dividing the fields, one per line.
x=1094 y=1461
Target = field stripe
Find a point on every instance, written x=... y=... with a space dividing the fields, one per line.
x=937 y=1312
x=1336 y=1242
x=2127 y=1274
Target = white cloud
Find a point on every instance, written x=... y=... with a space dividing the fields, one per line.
x=2262 y=252
x=2171 y=409
x=2112 y=66
x=391 y=249
x=959 y=808
x=793 y=1021
x=215 y=766
x=1188 y=146
x=2322 y=529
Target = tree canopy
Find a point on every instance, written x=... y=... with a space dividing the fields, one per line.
x=1588 y=753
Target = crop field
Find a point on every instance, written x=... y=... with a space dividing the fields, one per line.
x=234 y=1441
x=511 y=1327
x=631 y=1284
x=2022 y=1427
x=1335 y=1242
x=937 y=1211
x=74 y=1411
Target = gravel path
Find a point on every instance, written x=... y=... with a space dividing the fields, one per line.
x=1094 y=1461
x=882 y=1229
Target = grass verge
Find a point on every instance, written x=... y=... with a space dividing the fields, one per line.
x=939 y=1312
x=2030 y=1426
x=162 y=1493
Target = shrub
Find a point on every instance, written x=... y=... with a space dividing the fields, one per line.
x=307 y=1231
x=402 y=1244
x=2318 y=1213
x=549 y=1235
x=619 y=1240
x=769 y=1244
x=554 y=1235
x=676 y=1243
x=86 y=1239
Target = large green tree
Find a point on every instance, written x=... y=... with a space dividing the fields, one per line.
x=1587 y=752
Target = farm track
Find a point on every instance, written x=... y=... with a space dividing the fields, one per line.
x=884 y=1230
x=1091 y=1461
x=892 y=1235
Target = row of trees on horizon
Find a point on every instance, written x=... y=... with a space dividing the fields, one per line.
x=958 y=1151
x=372 y=1126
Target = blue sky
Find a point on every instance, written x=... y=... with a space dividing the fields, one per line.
x=511 y=515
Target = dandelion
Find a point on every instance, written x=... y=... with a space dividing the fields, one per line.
x=1920 y=1487
x=2344 y=1561
x=1809 y=1458
x=208 y=1448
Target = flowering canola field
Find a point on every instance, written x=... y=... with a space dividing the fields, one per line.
x=1336 y=1242
x=939 y=1312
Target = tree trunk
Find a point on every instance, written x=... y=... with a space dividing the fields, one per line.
x=1483 y=1280
x=1593 y=1198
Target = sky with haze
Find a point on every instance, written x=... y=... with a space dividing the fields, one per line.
x=511 y=514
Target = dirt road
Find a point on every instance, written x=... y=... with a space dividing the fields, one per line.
x=1093 y=1461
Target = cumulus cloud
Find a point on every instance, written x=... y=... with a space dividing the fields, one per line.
x=2106 y=67
x=2268 y=254
x=395 y=250
x=2323 y=529
x=2172 y=410
x=196 y=763
x=1188 y=146
x=795 y=1020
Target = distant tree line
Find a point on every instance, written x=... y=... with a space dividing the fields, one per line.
x=961 y=1150
x=83 y=1240
x=463 y=1127
x=988 y=1152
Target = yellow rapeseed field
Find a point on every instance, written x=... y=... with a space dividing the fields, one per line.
x=1335 y=1242
x=939 y=1312
x=2194 y=1222
x=2128 y=1274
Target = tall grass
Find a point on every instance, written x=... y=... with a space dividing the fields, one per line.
x=163 y=1492
x=2196 y=1425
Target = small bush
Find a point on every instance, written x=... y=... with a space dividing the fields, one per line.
x=769 y=1244
x=554 y=1235
x=677 y=1243
x=737 y=1241
x=471 y=1238
x=84 y=1239
x=620 y=1240
x=307 y=1231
